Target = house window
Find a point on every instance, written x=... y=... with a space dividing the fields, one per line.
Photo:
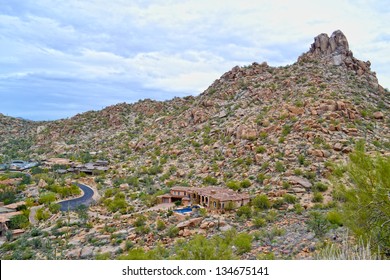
x=223 y=205
x=215 y=204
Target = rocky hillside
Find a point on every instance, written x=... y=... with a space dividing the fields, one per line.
x=274 y=131
x=266 y=124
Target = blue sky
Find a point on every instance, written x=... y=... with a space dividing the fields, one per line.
x=59 y=58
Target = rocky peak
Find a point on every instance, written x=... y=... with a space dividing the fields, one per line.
x=336 y=44
x=335 y=50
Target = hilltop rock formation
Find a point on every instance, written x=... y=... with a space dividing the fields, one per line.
x=335 y=50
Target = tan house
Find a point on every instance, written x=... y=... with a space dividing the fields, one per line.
x=210 y=197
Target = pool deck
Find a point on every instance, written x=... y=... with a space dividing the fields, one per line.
x=163 y=206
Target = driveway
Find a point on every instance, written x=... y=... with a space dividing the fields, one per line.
x=72 y=204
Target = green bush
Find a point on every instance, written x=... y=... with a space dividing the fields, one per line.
x=173 y=231
x=42 y=214
x=19 y=221
x=286 y=130
x=277 y=203
x=259 y=222
x=265 y=256
x=245 y=184
x=335 y=218
x=317 y=197
x=261 y=202
x=140 y=221
x=320 y=187
x=244 y=211
x=260 y=178
x=234 y=185
x=298 y=208
x=289 y=198
x=201 y=248
x=210 y=180
x=243 y=243
x=301 y=159
x=47 y=198
x=260 y=149
x=160 y=225
x=279 y=166
x=318 y=223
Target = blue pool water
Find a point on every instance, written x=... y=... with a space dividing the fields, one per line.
x=183 y=210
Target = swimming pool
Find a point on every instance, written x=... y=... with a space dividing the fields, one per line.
x=183 y=210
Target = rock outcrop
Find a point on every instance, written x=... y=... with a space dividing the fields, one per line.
x=335 y=50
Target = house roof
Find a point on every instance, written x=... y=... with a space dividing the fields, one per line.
x=15 y=205
x=180 y=188
x=218 y=193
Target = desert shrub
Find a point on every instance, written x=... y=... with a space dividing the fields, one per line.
x=260 y=178
x=261 y=202
x=301 y=159
x=289 y=198
x=210 y=180
x=201 y=248
x=140 y=221
x=320 y=187
x=298 y=208
x=173 y=231
x=265 y=256
x=272 y=215
x=348 y=251
x=42 y=214
x=318 y=223
x=19 y=221
x=317 y=197
x=47 y=198
x=243 y=243
x=259 y=222
x=160 y=225
x=244 y=211
x=234 y=185
x=279 y=166
x=277 y=203
x=335 y=218
x=260 y=149
x=245 y=183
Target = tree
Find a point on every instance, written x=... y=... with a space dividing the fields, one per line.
x=366 y=210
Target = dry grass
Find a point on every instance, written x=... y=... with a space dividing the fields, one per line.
x=348 y=251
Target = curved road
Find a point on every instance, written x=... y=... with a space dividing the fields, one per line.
x=72 y=204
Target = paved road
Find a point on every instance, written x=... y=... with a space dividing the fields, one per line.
x=72 y=204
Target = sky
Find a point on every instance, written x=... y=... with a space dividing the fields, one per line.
x=59 y=58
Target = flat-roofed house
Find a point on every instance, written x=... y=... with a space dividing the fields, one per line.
x=175 y=194
x=210 y=197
